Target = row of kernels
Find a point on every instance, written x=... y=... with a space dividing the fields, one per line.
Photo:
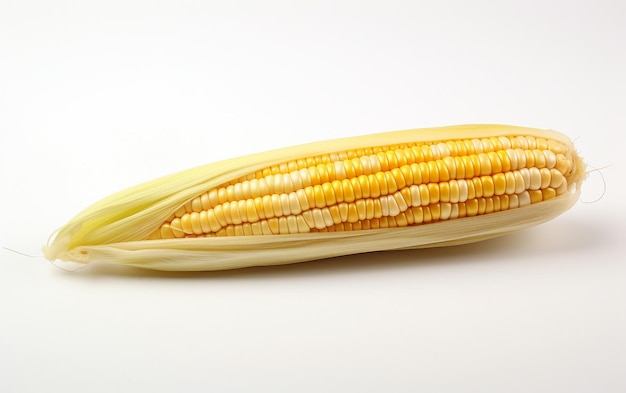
x=381 y=184
x=418 y=152
x=531 y=158
x=424 y=172
x=385 y=212
x=374 y=186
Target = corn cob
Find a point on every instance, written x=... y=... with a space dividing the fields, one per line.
x=397 y=190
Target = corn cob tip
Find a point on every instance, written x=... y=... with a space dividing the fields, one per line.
x=57 y=248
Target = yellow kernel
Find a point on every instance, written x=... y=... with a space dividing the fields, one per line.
x=235 y=213
x=424 y=194
x=435 y=211
x=180 y=211
x=214 y=224
x=433 y=172
x=472 y=207
x=177 y=228
x=520 y=184
x=329 y=194
x=166 y=232
x=454 y=191
x=276 y=205
x=382 y=183
x=433 y=191
x=478 y=186
x=343 y=211
x=499 y=182
x=444 y=192
x=220 y=215
x=425 y=173
x=548 y=193
x=496 y=164
x=536 y=196
x=407 y=174
x=374 y=186
x=504 y=160
x=485 y=164
x=251 y=212
x=268 y=209
x=488 y=186
x=361 y=209
x=460 y=167
x=204 y=221
x=185 y=222
x=348 y=191
x=353 y=215
x=442 y=169
x=450 y=164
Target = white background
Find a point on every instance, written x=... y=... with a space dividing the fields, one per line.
x=99 y=96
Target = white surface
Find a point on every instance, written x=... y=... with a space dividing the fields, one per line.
x=98 y=96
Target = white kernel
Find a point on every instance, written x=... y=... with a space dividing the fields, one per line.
x=510 y=183
x=463 y=190
x=366 y=165
x=238 y=191
x=302 y=225
x=506 y=143
x=285 y=204
x=296 y=180
x=340 y=170
x=550 y=158
x=513 y=158
x=557 y=179
x=287 y=183
x=374 y=164
x=524 y=199
x=444 y=151
x=269 y=180
x=254 y=188
x=402 y=204
x=328 y=218
x=394 y=209
x=318 y=218
x=454 y=212
x=294 y=203
x=521 y=158
x=520 y=184
x=303 y=202
x=525 y=172
x=265 y=228
x=384 y=205
x=308 y=218
x=292 y=224
x=415 y=196
x=478 y=146
x=305 y=177
x=283 y=227
x=276 y=205
x=535 y=179
x=264 y=188
x=446 y=210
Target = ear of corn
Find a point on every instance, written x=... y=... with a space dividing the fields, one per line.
x=396 y=190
